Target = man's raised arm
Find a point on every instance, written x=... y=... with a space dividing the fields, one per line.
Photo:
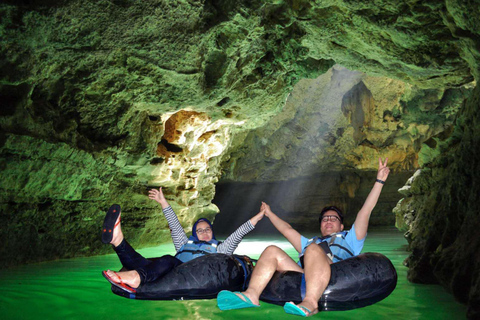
x=285 y=229
x=363 y=216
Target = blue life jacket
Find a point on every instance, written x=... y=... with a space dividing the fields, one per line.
x=340 y=250
x=194 y=249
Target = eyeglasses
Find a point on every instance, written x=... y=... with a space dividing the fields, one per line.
x=202 y=231
x=330 y=218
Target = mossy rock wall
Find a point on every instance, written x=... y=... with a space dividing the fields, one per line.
x=441 y=216
x=101 y=100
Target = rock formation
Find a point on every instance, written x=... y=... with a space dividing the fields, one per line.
x=326 y=142
x=101 y=100
x=440 y=212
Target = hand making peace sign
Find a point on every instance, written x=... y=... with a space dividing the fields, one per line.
x=383 y=170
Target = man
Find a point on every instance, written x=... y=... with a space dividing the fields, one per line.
x=334 y=245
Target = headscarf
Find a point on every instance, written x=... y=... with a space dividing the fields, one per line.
x=194 y=228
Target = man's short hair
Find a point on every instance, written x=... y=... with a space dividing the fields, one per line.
x=330 y=208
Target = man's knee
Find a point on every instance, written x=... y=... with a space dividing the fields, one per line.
x=273 y=251
x=315 y=253
x=315 y=250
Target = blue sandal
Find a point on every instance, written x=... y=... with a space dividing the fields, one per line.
x=227 y=300
x=292 y=308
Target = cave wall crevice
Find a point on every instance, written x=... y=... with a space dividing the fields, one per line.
x=440 y=212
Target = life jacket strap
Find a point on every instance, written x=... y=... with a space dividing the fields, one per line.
x=343 y=248
x=195 y=251
x=200 y=242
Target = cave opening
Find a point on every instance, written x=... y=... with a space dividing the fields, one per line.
x=323 y=155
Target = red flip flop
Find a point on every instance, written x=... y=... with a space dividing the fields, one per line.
x=109 y=223
x=120 y=285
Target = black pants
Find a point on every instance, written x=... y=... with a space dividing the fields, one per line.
x=148 y=270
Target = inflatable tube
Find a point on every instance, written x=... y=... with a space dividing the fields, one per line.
x=200 y=278
x=356 y=282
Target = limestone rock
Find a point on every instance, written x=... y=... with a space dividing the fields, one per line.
x=94 y=92
x=441 y=215
x=344 y=119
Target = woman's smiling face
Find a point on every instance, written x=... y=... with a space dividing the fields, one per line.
x=204 y=232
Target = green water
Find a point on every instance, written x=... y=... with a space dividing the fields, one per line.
x=75 y=289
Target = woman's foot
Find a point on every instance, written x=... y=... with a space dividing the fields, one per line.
x=112 y=230
x=117 y=236
x=125 y=281
x=130 y=278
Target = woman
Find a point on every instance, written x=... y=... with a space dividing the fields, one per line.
x=142 y=271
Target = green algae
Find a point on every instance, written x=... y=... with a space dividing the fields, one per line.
x=441 y=231
x=84 y=86
x=75 y=289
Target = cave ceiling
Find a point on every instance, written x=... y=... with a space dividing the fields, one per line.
x=103 y=99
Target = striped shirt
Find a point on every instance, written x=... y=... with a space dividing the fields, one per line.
x=180 y=238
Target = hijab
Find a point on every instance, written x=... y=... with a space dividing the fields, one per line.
x=194 y=228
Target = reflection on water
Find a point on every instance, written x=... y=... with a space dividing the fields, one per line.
x=75 y=289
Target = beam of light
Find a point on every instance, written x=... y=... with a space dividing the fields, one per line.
x=296 y=149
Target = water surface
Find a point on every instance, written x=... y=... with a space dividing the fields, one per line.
x=75 y=289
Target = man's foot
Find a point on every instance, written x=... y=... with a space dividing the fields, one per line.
x=111 y=230
x=227 y=300
x=300 y=309
x=247 y=296
x=127 y=280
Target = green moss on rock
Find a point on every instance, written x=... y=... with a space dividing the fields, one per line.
x=444 y=217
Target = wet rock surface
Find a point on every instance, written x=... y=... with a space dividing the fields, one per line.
x=344 y=120
x=102 y=100
x=440 y=215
